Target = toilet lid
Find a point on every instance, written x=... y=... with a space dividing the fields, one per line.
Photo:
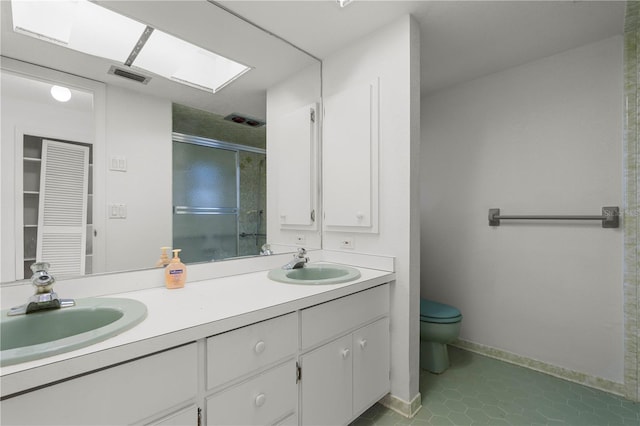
x=438 y=312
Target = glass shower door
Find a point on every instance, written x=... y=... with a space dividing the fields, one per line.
x=205 y=202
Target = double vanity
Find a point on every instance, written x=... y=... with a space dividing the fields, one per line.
x=241 y=349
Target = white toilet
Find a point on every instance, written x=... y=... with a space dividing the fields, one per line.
x=439 y=325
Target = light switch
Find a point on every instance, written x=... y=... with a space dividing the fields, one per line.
x=118 y=163
x=113 y=211
x=117 y=211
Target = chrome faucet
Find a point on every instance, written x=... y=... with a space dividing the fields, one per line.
x=265 y=250
x=45 y=297
x=298 y=260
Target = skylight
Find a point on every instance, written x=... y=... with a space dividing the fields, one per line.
x=89 y=28
x=188 y=63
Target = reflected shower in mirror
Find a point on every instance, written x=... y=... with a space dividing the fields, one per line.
x=219 y=187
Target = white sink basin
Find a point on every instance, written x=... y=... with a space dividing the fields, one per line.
x=315 y=274
x=50 y=332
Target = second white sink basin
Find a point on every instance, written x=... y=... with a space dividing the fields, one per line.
x=315 y=274
x=50 y=332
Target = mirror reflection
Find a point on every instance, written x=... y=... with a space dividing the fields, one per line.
x=166 y=164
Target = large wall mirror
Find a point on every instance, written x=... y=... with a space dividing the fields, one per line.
x=196 y=166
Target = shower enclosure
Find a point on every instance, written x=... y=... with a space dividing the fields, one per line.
x=219 y=199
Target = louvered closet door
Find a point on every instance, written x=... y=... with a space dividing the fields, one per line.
x=62 y=213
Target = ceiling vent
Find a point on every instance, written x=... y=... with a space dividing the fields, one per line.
x=246 y=120
x=129 y=75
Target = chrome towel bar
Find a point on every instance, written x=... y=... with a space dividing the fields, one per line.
x=610 y=217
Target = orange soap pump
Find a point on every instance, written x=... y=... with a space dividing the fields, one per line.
x=175 y=274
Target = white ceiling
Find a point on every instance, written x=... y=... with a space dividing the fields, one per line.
x=460 y=40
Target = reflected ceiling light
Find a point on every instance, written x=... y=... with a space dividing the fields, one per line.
x=79 y=25
x=60 y=94
x=88 y=28
x=189 y=63
x=344 y=3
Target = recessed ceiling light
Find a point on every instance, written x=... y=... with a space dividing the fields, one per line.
x=60 y=94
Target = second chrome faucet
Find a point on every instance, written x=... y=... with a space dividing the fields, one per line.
x=299 y=260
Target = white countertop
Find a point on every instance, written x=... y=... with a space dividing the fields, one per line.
x=176 y=317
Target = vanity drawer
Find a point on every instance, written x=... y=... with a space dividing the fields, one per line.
x=262 y=400
x=324 y=321
x=123 y=394
x=238 y=352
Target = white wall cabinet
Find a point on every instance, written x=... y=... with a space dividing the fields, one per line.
x=350 y=159
x=296 y=135
x=246 y=376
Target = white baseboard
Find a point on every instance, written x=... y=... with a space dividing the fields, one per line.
x=402 y=407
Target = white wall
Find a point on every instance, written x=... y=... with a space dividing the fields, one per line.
x=392 y=54
x=541 y=138
x=138 y=128
x=35 y=118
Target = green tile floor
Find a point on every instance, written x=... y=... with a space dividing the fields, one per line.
x=477 y=390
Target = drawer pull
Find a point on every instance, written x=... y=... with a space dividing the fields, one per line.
x=363 y=343
x=260 y=347
x=345 y=353
x=260 y=400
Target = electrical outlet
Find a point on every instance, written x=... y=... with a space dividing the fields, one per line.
x=301 y=240
x=347 y=243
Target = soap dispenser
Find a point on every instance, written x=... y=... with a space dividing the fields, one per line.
x=164 y=258
x=175 y=274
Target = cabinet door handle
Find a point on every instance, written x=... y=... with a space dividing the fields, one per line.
x=345 y=353
x=260 y=347
x=260 y=400
x=363 y=343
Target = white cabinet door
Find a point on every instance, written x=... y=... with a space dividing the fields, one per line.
x=62 y=211
x=370 y=365
x=350 y=159
x=261 y=400
x=327 y=384
x=295 y=135
x=119 y=395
